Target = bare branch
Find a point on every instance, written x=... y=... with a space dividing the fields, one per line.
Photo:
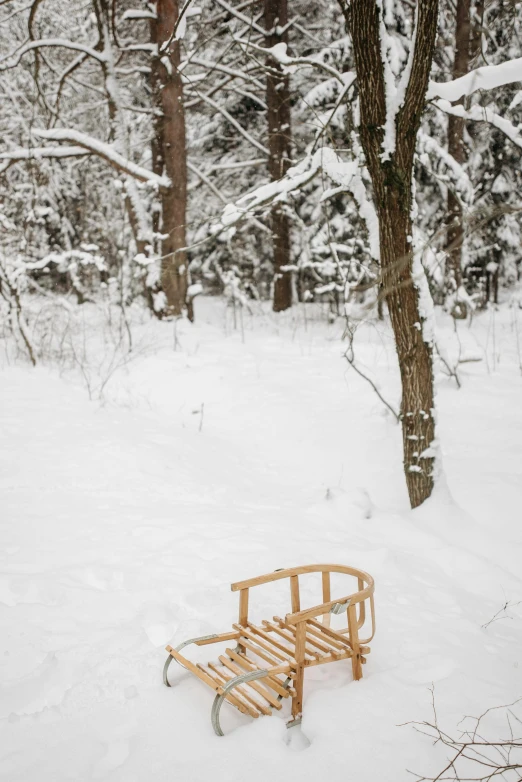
x=493 y=758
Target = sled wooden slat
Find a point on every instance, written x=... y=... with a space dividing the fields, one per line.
x=194 y=669
x=267 y=645
x=271 y=680
x=288 y=634
x=236 y=698
x=262 y=653
x=277 y=652
x=327 y=659
x=243 y=691
x=313 y=637
x=217 y=639
x=339 y=640
x=262 y=691
x=266 y=636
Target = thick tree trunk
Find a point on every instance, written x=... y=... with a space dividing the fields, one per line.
x=279 y=145
x=414 y=353
x=455 y=231
x=392 y=184
x=169 y=158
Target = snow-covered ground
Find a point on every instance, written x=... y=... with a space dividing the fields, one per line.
x=123 y=524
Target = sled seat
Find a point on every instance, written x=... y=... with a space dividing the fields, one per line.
x=268 y=660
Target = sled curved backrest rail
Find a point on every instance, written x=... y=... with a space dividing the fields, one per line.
x=364 y=592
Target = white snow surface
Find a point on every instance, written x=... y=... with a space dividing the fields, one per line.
x=124 y=523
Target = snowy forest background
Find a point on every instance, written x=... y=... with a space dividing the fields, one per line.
x=265 y=237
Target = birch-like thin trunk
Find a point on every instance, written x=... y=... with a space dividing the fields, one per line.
x=118 y=128
x=279 y=146
x=170 y=157
x=392 y=185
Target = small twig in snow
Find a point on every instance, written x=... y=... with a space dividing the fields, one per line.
x=497 y=616
x=452 y=371
x=492 y=758
x=350 y=357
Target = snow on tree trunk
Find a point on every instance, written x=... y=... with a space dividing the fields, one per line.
x=118 y=127
x=279 y=145
x=391 y=171
x=455 y=231
x=170 y=157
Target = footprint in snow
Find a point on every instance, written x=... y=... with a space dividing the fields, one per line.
x=158 y=622
x=23 y=590
x=296 y=740
x=116 y=754
x=43 y=687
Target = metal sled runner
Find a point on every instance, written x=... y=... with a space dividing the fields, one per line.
x=268 y=661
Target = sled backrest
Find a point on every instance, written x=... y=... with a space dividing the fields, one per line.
x=364 y=592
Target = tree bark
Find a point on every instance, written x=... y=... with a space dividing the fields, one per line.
x=455 y=231
x=170 y=158
x=117 y=126
x=279 y=146
x=392 y=186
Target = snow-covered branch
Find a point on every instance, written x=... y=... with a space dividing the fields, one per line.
x=237 y=164
x=296 y=177
x=290 y=64
x=149 y=48
x=36 y=153
x=346 y=175
x=208 y=182
x=138 y=13
x=216 y=66
x=105 y=151
x=454 y=173
x=483 y=114
x=12 y=60
x=242 y=17
x=246 y=135
x=489 y=77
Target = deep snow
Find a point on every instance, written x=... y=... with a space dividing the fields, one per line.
x=124 y=523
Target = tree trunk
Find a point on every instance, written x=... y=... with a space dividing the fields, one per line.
x=279 y=146
x=476 y=32
x=170 y=158
x=455 y=231
x=117 y=126
x=392 y=185
x=414 y=353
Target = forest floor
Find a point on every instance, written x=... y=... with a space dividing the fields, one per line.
x=222 y=455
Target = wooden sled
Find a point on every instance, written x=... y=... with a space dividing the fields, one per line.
x=268 y=661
